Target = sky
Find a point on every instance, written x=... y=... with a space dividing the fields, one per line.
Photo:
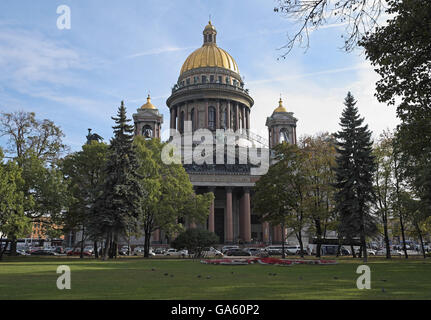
x=124 y=50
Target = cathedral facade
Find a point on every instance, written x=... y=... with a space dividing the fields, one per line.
x=210 y=94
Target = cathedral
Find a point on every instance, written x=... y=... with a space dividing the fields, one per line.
x=209 y=94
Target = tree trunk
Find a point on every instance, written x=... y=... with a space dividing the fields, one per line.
x=13 y=243
x=283 y=253
x=3 y=249
x=107 y=246
x=388 y=247
x=353 y=251
x=81 y=254
x=403 y=236
x=96 y=250
x=421 y=239
x=147 y=243
x=319 y=236
x=301 y=245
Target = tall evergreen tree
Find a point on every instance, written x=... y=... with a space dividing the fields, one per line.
x=118 y=203
x=354 y=176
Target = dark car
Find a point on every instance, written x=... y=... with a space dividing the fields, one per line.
x=237 y=252
x=43 y=252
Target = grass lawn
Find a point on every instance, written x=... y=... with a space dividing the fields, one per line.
x=133 y=278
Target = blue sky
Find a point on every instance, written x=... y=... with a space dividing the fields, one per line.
x=122 y=50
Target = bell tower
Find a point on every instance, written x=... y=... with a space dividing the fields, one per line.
x=281 y=126
x=148 y=121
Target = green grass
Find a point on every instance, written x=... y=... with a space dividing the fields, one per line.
x=133 y=278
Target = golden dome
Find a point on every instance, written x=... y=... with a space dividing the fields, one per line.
x=280 y=107
x=148 y=105
x=209 y=55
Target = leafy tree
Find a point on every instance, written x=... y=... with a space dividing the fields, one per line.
x=400 y=52
x=13 y=221
x=319 y=163
x=85 y=173
x=354 y=176
x=36 y=145
x=280 y=194
x=26 y=134
x=168 y=193
x=195 y=240
x=121 y=192
x=384 y=184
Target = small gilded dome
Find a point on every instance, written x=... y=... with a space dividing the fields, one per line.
x=209 y=55
x=148 y=105
x=209 y=27
x=280 y=107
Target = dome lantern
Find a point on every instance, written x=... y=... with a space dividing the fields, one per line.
x=209 y=34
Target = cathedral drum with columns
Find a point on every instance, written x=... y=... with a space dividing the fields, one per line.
x=210 y=94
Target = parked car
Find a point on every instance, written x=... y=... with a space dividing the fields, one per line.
x=253 y=251
x=226 y=248
x=21 y=252
x=77 y=252
x=237 y=252
x=124 y=250
x=275 y=250
x=159 y=251
x=44 y=252
x=176 y=253
x=211 y=252
x=294 y=250
x=333 y=249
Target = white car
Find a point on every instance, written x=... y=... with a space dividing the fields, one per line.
x=175 y=252
x=140 y=251
x=211 y=252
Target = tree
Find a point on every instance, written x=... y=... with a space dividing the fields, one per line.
x=85 y=172
x=280 y=194
x=359 y=16
x=169 y=195
x=36 y=145
x=27 y=134
x=354 y=176
x=195 y=240
x=319 y=163
x=121 y=192
x=401 y=54
x=384 y=184
x=13 y=221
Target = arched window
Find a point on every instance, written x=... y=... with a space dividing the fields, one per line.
x=211 y=118
x=182 y=122
x=233 y=118
x=223 y=118
x=192 y=119
x=147 y=131
x=284 y=135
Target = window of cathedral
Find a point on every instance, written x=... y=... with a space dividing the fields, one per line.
x=147 y=131
x=211 y=118
x=182 y=122
x=211 y=78
x=284 y=135
x=220 y=79
x=195 y=79
x=204 y=79
x=188 y=81
x=227 y=80
x=192 y=119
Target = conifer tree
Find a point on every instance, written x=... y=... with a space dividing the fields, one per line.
x=354 y=176
x=118 y=203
